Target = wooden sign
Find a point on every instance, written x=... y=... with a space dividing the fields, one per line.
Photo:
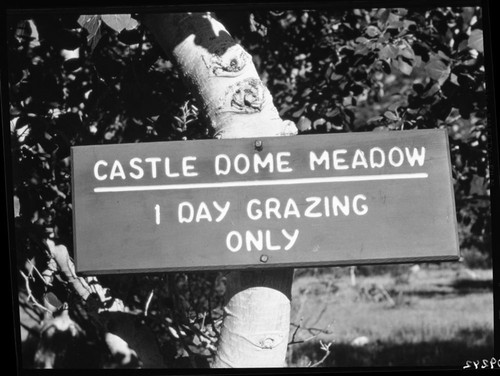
x=310 y=200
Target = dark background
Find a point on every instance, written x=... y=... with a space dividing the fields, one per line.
x=329 y=71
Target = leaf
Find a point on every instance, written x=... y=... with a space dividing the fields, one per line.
x=388 y=19
x=443 y=56
x=132 y=24
x=53 y=300
x=332 y=113
x=70 y=54
x=417 y=62
x=306 y=92
x=407 y=53
x=318 y=122
x=13 y=123
x=299 y=111
x=284 y=109
x=347 y=101
x=304 y=124
x=362 y=50
x=91 y=23
x=454 y=79
x=21 y=126
x=463 y=45
x=404 y=67
x=35 y=42
x=388 y=52
x=401 y=11
x=335 y=77
x=394 y=107
x=395 y=25
x=110 y=134
x=476 y=40
x=372 y=31
x=432 y=90
x=391 y=116
x=437 y=69
x=383 y=15
x=118 y=22
x=396 y=125
x=257 y=27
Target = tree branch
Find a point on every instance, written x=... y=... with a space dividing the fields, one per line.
x=30 y=295
x=326 y=349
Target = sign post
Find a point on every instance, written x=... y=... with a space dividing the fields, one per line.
x=308 y=200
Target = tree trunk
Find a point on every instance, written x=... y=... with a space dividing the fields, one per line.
x=233 y=99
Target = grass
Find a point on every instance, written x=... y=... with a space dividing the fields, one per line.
x=432 y=317
x=435 y=353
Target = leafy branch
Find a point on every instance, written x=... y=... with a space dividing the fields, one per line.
x=93 y=25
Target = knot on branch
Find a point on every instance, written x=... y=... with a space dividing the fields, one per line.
x=267 y=343
x=245 y=97
x=229 y=63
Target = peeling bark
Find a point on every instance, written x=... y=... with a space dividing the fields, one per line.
x=233 y=99
x=61 y=257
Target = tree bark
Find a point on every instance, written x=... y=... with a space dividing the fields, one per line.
x=233 y=99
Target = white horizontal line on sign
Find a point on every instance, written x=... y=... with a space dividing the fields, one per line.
x=253 y=183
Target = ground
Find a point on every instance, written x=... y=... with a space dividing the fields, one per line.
x=426 y=315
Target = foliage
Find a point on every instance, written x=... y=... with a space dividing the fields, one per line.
x=102 y=79
x=382 y=69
